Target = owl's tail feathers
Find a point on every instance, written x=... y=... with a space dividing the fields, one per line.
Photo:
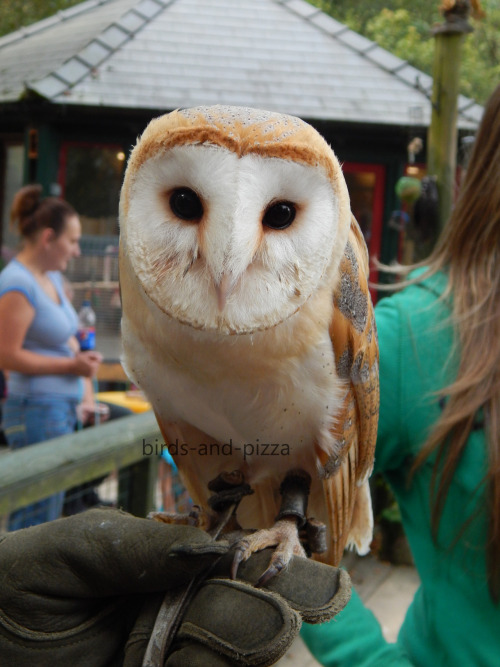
x=361 y=530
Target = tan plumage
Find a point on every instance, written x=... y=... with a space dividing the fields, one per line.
x=242 y=334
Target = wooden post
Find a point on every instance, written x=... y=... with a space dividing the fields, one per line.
x=32 y=473
x=137 y=486
x=442 y=135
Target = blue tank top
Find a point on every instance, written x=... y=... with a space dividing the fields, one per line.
x=47 y=334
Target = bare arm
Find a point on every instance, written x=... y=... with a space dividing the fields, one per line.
x=16 y=315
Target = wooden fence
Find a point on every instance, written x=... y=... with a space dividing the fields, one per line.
x=33 y=473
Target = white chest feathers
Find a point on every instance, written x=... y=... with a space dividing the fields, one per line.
x=259 y=412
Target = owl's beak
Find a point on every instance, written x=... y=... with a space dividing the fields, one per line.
x=223 y=289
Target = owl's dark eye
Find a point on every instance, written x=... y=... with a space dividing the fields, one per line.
x=279 y=215
x=186 y=204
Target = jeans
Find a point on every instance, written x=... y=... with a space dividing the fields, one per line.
x=27 y=421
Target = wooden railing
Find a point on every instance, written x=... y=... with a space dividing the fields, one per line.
x=33 y=473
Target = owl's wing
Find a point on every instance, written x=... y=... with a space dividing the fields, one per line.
x=354 y=339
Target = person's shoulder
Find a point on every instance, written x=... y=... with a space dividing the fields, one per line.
x=432 y=283
x=422 y=308
x=15 y=273
x=423 y=290
x=16 y=278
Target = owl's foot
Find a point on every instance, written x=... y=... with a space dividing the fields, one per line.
x=284 y=535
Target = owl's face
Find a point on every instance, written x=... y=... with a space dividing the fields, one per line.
x=227 y=242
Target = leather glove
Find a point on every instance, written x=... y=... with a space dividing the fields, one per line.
x=85 y=591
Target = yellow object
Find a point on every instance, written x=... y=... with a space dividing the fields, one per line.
x=133 y=400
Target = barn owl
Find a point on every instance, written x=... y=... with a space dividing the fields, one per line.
x=247 y=319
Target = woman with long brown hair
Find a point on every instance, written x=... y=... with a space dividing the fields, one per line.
x=439 y=439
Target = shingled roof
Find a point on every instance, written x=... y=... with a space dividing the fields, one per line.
x=283 y=55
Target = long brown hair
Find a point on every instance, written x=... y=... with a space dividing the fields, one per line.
x=468 y=251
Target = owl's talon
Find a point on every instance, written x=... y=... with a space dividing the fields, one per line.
x=273 y=569
x=239 y=557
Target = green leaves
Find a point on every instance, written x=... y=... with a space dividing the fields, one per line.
x=17 y=13
x=404 y=29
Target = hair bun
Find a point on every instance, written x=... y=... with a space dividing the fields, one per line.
x=24 y=204
x=26 y=201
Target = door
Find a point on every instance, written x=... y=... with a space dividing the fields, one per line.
x=366 y=185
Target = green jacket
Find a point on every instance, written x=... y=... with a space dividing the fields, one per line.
x=452 y=619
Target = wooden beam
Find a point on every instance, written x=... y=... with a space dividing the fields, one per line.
x=35 y=472
x=442 y=135
x=137 y=484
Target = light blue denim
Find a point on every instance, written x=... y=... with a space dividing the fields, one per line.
x=27 y=421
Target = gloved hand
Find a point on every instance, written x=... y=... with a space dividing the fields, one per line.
x=85 y=591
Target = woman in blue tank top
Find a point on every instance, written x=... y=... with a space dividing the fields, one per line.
x=38 y=347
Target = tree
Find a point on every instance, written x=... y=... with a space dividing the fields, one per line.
x=17 y=13
x=405 y=29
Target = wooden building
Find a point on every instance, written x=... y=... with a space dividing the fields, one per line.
x=78 y=88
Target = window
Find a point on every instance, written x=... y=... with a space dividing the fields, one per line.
x=91 y=177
